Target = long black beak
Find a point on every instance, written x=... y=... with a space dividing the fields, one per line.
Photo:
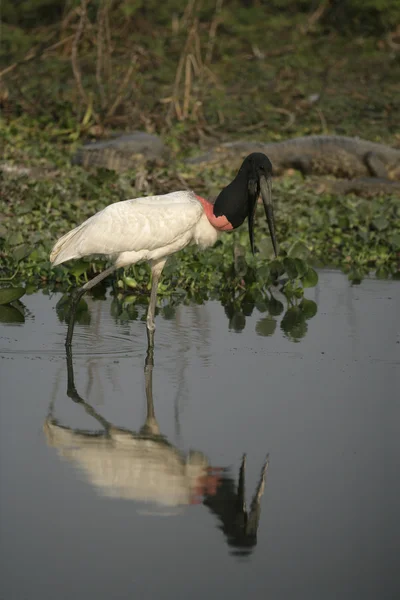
x=266 y=195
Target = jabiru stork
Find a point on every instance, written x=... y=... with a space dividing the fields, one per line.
x=154 y=227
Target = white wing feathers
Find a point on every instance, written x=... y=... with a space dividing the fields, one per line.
x=141 y=224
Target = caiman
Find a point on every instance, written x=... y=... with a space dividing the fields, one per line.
x=121 y=153
x=346 y=157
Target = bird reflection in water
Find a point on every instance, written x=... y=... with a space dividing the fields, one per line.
x=144 y=466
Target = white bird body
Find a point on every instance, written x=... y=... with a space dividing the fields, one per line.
x=140 y=229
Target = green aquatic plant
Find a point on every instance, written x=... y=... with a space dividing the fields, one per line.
x=11 y=309
x=10 y=294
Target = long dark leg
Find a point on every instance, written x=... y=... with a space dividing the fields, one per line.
x=156 y=269
x=77 y=295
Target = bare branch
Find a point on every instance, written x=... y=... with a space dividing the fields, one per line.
x=74 y=51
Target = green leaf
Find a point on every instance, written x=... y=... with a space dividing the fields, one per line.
x=263 y=273
x=310 y=279
x=130 y=282
x=301 y=266
x=299 y=250
x=266 y=327
x=275 y=307
x=78 y=267
x=238 y=322
x=261 y=306
x=308 y=308
x=9 y=294
x=168 y=312
x=294 y=324
x=277 y=268
x=266 y=249
x=14 y=239
x=21 y=252
x=380 y=223
x=394 y=239
x=11 y=314
x=290 y=267
x=382 y=273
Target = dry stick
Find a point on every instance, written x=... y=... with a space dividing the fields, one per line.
x=120 y=93
x=188 y=12
x=324 y=125
x=65 y=23
x=196 y=68
x=188 y=86
x=213 y=30
x=174 y=100
x=100 y=54
x=74 y=51
x=317 y=14
x=36 y=55
x=197 y=47
x=107 y=57
x=283 y=111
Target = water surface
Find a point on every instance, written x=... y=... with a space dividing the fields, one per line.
x=98 y=502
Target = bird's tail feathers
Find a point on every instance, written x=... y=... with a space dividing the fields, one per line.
x=63 y=249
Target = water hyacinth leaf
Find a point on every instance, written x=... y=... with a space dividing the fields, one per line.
x=247 y=307
x=308 y=308
x=276 y=268
x=115 y=308
x=63 y=308
x=266 y=327
x=275 y=307
x=294 y=324
x=394 y=240
x=78 y=267
x=265 y=248
x=83 y=316
x=382 y=273
x=355 y=276
x=301 y=266
x=130 y=282
x=10 y=294
x=290 y=267
x=380 y=223
x=168 y=312
x=263 y=273
x=14 y=239
x=11 y=314
x=299 y=250
x=20 y=252
x=239 y=260
x=238 y=322
x=132 y=312
x=261 y=306
x=310 y=279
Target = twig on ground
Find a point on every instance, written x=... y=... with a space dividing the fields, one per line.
x=74 y=51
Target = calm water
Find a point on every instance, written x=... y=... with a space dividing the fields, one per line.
x=123 y=482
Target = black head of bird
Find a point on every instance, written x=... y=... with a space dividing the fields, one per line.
x=238 y=200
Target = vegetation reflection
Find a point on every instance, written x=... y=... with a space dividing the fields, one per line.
x=275 y=308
